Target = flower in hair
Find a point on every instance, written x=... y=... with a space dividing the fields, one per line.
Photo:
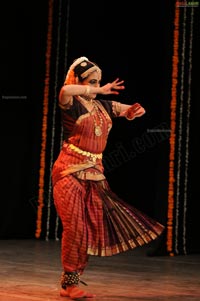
x=73 y=65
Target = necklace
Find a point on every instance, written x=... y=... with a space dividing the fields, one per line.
x=97 y=128
x=87 y=104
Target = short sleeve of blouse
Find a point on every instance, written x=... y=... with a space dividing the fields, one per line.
x=112 y=107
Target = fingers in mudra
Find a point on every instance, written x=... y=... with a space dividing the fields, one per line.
x=117 y=85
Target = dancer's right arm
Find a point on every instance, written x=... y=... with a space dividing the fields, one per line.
x=67 y=91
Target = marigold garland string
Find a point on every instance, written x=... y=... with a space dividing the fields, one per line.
x=175 y=61
x=57 y=22
x=53 y=120
x=180 y=136
x=44 y=123
x=180 y=127
x=185 y=198
x=66 y=37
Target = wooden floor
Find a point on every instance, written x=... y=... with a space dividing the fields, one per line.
x=31 y=269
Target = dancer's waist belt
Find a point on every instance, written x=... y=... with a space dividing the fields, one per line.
x=85 y=153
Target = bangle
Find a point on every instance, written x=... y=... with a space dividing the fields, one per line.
x=87 y=90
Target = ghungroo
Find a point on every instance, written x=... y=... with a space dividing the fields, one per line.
x=69 y=278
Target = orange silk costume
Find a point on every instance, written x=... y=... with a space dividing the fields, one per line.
x=95 y=220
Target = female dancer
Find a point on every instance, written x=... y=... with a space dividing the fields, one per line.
x=95 y=220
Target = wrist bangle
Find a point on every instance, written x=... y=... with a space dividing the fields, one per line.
x=87 y=90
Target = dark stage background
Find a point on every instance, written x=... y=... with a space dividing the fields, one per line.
x=132 y=41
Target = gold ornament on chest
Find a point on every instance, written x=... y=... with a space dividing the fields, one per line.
x=97 y=131
x=97 y=127
x=95 y=113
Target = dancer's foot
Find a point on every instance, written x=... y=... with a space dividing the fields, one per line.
x=74 y=292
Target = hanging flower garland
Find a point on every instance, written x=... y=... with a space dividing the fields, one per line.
x=180 y=127
x=180 y=130
x=66 y=37
x=175 y=61
x=187 y=136
x=53 y=120
x=44 y=123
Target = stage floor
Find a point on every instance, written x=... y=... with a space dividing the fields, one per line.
x=31 y=269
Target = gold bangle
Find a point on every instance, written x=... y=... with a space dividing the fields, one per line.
x=87 y=91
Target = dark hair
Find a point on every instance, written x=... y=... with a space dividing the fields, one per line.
x=80 y=69
x=83 y=69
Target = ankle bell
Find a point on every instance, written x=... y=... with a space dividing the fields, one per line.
x=69 y=279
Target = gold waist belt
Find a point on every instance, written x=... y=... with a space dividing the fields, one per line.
x=85 y=153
